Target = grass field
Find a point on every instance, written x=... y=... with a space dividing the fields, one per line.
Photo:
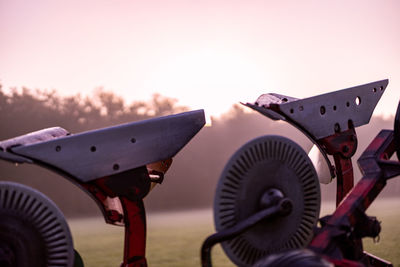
x=174 y=239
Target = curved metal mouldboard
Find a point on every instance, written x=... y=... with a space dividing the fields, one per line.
x=94 y=154
x=28 y=139
x=320 y=114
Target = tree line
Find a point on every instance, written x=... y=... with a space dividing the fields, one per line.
x=191 y=181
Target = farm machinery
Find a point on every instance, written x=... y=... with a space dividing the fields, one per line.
x=267 y=202
x=116 y=166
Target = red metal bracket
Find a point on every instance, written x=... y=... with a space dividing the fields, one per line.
x=342 y=243
x=342 y=146
x=135 y=233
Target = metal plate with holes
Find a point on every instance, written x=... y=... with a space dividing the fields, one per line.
x=34 y=137
x=319 y=115
x=112 y=150
x=28 y=139
x=33 y=231
x=261 y=164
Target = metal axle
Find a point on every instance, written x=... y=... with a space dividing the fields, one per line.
x=273 y=203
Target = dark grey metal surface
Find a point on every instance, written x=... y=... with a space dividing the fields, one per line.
x=112 y=150
x=318 y=117
x=319 y=114
x=34 y=137
x=264 y=108
x=264 y=163
x=28 y=139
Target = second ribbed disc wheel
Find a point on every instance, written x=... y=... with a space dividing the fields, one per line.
x=33 y=231
x=267 y=162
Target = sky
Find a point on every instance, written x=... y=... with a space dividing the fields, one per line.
x=207 y=54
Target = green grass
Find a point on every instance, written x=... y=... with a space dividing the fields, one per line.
x=174 y=239
x=388 y=247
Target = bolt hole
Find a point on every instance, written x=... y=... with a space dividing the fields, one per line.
x=58 y=148
x=347 y=104
x=374 y=90
x=322 y=110
x=291 y=110
x=93 y=148
x=337 y=127
x=284 y=100
x=334 y=108
x=133 y=140
x=358 y=100
x=116 y=167
x=350 y=124
x=381 y=88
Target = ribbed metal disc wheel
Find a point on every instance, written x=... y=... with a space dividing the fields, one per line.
x=33 y=231
x=261 y=164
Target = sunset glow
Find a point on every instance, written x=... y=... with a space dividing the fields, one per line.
x=206 y=54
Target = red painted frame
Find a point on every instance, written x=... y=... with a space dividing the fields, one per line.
x=339 y=239
x=132 y=216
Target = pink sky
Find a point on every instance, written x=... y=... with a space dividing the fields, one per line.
x=207 y=54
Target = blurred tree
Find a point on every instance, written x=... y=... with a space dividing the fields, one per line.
x=192 y=179
x=23 y=111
